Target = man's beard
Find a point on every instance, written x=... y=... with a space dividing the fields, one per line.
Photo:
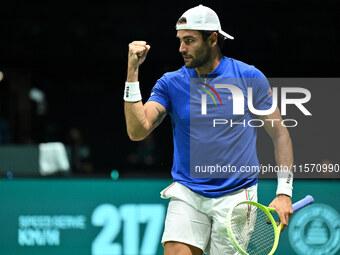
x=204 y=57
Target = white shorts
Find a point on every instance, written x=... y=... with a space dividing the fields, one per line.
x=200 y=221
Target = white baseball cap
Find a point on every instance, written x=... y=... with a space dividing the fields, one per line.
x=202 y=18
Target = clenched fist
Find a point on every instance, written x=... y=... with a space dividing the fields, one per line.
x=137 y=53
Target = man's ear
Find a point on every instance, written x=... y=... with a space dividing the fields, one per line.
x=213 y=38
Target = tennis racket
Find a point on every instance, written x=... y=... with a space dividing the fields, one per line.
x=252 y=227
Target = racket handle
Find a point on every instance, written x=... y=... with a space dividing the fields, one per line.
x=303 y=202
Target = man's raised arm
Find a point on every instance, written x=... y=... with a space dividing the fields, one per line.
x=140 y=119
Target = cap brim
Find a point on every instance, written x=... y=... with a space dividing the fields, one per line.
x=226 y=35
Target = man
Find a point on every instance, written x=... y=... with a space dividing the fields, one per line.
x=198 y=206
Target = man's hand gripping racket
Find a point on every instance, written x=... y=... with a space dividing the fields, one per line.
x=253 y=227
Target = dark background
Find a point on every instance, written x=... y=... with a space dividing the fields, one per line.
x=76 y=53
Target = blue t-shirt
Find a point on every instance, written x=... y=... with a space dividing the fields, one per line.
x=197 y=141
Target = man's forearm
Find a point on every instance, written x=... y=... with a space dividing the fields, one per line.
x=132 y=74
x=284 y=159
x=284 y=151
x=134 y=111
x=136 y=122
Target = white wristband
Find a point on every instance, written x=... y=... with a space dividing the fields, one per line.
x=132 y=92
x=285 y=183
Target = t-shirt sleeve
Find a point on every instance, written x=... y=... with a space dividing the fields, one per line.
x=160 y=93
x=262 y=93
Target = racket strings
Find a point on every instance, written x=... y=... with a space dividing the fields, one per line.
x=262 y=239
x=252 y=229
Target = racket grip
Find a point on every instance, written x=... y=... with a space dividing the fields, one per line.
x=303 y=202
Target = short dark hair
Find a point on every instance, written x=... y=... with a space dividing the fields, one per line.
x=205 y=34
